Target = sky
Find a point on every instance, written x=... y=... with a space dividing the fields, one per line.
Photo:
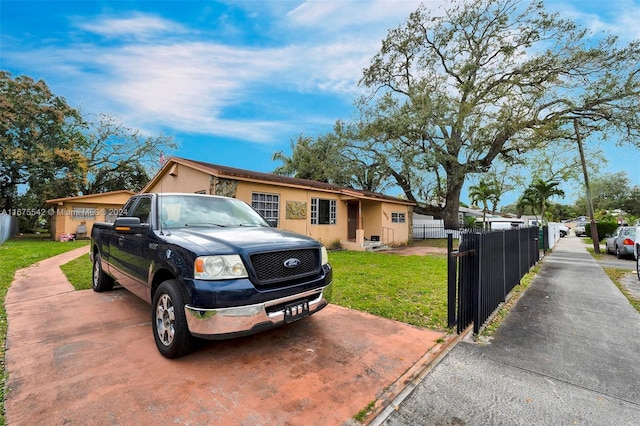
x=234 y=81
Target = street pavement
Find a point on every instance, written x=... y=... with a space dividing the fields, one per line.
x=567 y=354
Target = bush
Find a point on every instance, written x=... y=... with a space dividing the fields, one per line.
x=604 y=229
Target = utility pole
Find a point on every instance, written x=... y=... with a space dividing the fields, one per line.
x=594 y=228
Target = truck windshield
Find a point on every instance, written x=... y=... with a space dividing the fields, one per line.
x=178 y=211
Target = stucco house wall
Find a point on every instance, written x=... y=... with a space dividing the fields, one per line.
x=67 y=214
x=316 y=209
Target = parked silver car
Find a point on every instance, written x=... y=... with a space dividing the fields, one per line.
x=622 y=242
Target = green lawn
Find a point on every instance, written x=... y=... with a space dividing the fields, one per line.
x=411 y=289
x=17 y=254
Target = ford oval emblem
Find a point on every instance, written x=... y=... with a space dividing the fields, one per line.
x=291 y=263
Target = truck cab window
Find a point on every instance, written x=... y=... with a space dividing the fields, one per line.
x=142 y=210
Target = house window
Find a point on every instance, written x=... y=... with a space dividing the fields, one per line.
x=323 y=212
x=202 y=191
x=397 y=217
x=83 y=213
x=268 y=205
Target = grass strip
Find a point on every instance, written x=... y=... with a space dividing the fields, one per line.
x=616 y=276
x=78 y=272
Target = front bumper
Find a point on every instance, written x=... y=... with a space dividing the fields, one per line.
x=242 y=320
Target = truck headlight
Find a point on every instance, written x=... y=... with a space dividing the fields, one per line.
x=219 y=267
x=325 y=255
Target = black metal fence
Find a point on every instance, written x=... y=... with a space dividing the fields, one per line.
x=425 y=232
x=486 y=267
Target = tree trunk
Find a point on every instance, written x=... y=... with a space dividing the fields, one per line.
x=452 y=206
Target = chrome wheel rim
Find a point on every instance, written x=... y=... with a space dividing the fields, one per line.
x=96 y=274
x=165 y=320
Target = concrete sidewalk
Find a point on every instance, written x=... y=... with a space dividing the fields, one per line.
x=568 y=353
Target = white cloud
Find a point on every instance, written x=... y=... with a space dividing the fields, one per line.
x=617 y=17
x=165 y=73
x=344 y=15
x=136 y=25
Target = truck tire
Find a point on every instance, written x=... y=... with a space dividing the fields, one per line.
x=100 y=280
x=169 y=322
x=638 y=264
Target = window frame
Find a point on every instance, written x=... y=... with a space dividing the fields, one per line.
x=398 y=217
x=316 y=210
x=274 y=217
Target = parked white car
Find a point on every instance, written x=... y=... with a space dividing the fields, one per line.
x=564 y=230
x=623 y=242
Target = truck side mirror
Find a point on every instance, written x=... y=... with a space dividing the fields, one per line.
x=130 y=225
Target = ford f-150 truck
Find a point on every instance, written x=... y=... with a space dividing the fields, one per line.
x=210 y=266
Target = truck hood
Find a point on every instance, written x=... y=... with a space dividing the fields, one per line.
x=241 y=239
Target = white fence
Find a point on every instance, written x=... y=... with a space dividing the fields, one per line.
x=8 y=227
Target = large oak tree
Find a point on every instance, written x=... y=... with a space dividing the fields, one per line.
x=40 y=139
x=49 y=150
x=452 y=91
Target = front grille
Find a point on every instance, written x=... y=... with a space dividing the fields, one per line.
x=270 y=267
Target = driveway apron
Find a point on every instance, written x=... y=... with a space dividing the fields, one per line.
x=86 y=358
x=568 y=353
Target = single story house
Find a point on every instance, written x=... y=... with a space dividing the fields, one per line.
x=76 y=215
x=334 y=215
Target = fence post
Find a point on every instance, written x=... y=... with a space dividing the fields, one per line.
x=476 y=291
x=452 y=281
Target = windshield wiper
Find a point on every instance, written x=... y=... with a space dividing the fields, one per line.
x=204 y=224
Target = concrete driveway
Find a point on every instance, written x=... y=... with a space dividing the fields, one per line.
x=80 y=357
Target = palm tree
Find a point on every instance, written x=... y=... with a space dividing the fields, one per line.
x=539 y=193
x=483 y=192
x=528 y=199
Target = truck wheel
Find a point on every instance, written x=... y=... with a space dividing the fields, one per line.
x=101 y=281
x=638 y=265
x=169 y=322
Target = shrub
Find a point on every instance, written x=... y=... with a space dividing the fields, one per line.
x=604 y=228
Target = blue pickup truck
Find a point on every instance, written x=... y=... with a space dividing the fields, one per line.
x=211 y=267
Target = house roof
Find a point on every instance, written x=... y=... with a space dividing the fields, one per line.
x=89 y=198
x=251 y=176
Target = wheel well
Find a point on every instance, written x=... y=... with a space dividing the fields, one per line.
x=161 y=276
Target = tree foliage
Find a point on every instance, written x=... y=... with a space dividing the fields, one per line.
x=48 y=150
x=538 y=195
x=328 y=158
x=489 y=80
x=318 y=159
x=609 y=191
x=119 y=157
x=485 y=193
x=40 y=140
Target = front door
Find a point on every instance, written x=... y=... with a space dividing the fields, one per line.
x=353 y=214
